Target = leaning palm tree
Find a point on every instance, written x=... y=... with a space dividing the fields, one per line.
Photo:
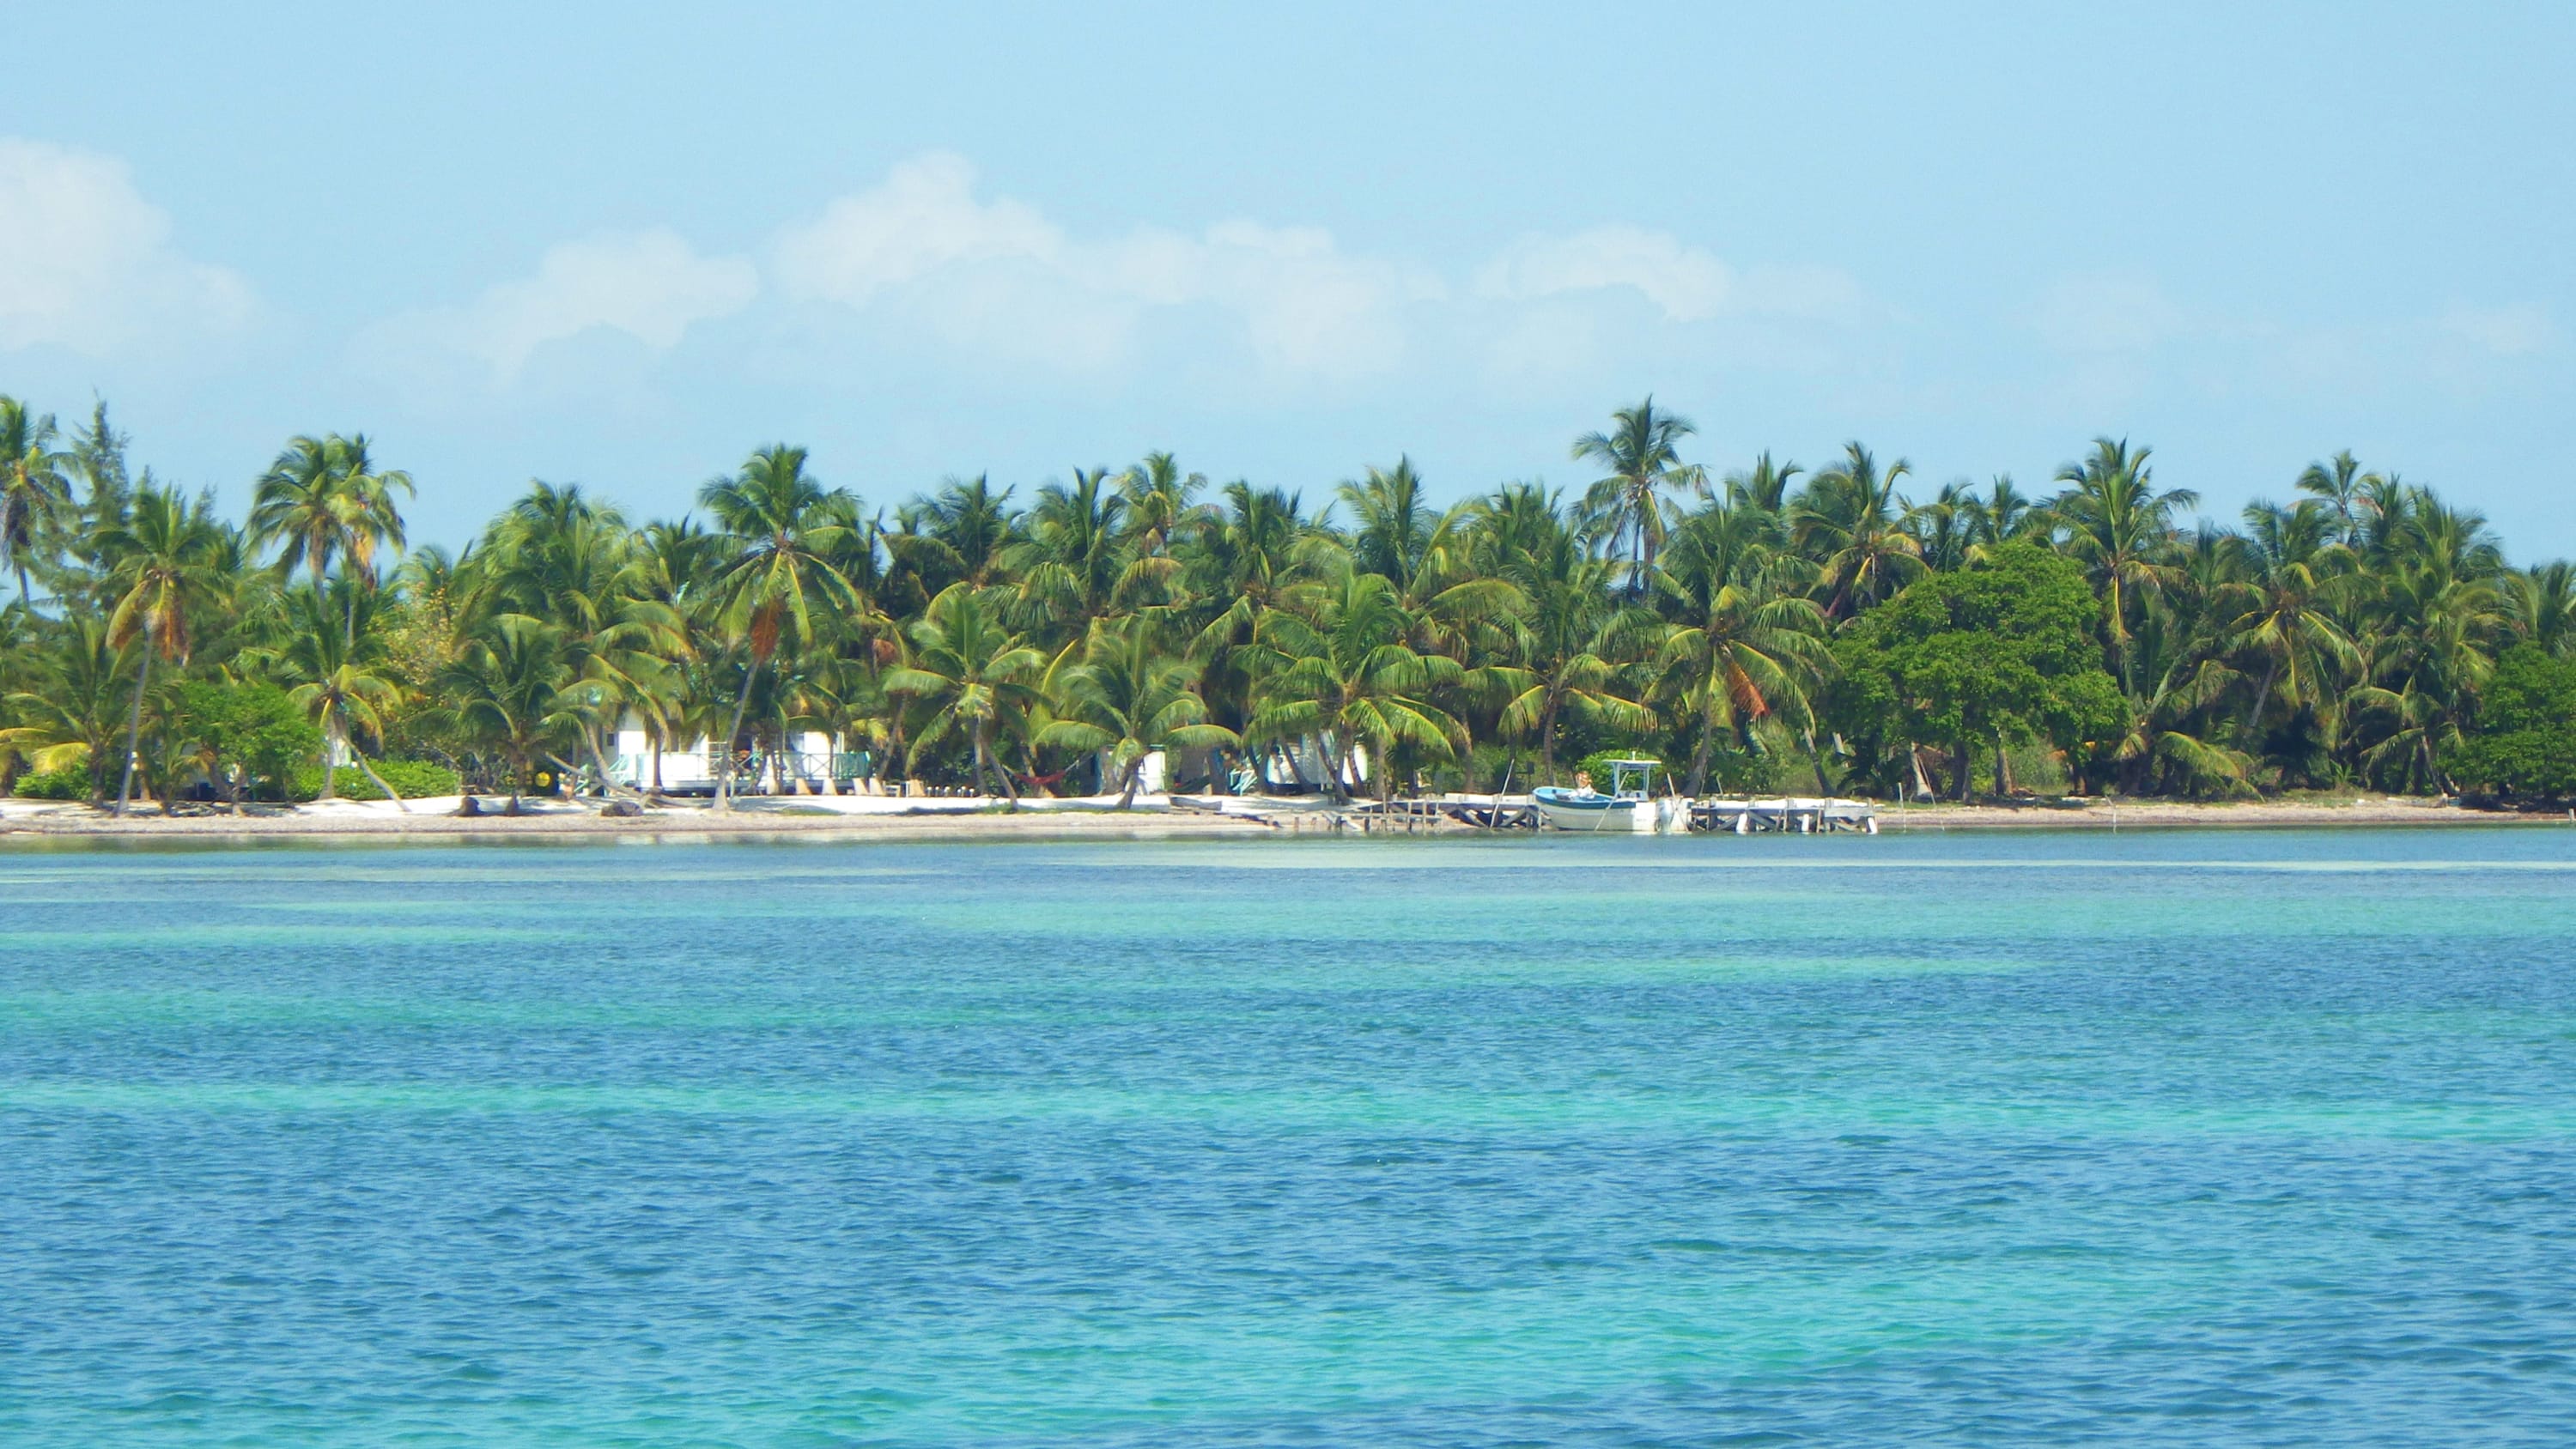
x=1641 y=456
x=973 y=672
x=166 y=557
x=1128 y=698
x=783 y=528
x=338 y=678
x=34 y=484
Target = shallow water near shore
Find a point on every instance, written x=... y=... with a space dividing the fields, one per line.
x=2223 y=1138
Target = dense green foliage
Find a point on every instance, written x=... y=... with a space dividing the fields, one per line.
x=53 y=785
x=2525 y=746
x=411 y=779
x=248 y=738
x=1773 y=628
x=2000 y=650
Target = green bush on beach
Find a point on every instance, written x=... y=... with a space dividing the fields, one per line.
x=2526 y=744
x=411 y=779
x=71 y=784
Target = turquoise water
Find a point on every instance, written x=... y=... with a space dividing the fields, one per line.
x=2226 y=1139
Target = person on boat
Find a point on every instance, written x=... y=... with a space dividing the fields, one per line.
x=1583 y=781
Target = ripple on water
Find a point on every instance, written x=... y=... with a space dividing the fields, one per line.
x=2257 y=1139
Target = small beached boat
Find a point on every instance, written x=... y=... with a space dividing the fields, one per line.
x=1628 y=806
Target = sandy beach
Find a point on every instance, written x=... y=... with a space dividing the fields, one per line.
x=1152 y=818
x=861 y=817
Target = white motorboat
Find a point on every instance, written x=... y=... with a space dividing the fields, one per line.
x=1628 y=806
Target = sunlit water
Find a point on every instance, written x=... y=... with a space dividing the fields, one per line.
x=2244 y=1138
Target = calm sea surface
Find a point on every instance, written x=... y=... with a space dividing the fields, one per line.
x=2229 y=1139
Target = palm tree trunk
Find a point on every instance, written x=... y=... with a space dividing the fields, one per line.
x=724 y=776
x=380 y=783
x=1816 y=761
x=2003 y=766
x=1547 y=739
x=134 y=726
x=1699 y=756
x=1967 y=770
x=331 y=738
x=2262 y=696
x=23 y=602
x=1135 y=772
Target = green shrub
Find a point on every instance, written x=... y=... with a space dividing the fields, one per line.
x=252 y=733
x=2525 y=745
x=71 y=784
x=410 y=778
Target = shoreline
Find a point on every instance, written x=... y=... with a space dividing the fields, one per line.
x=878 y=818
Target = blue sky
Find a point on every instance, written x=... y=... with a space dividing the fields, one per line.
x=622 y=245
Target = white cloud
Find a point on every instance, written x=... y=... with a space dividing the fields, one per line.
x=2504 y=331
x=86 y=263
x=1686 y=283
x=999 y=277
x=649 y=285
x=922 y=218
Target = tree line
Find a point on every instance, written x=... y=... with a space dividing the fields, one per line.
x=1774 y=627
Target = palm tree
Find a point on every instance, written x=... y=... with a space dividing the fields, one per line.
x=2541 y=601
x=2433 y=655
x=1849 y=522
x=2288 y=617
x=2338 y=484
x=558 y=557
x=321 y=500
x=165 y=556
x=969 y=529
x=1764 y=486
x=783 y=527
x=1640 y=454
x=1333 y=666
x=1395 y=527
x=1565 y=647
x=75 y=704
x=2164 y=736
x=501 y=689
x=973 y=672
x=1744 y=649
x=337 y=676
x=1074 y=558
x=1160 y=501
x=2004 y=515
x=2116 y=522
x=1128 y=698
x=33 y=485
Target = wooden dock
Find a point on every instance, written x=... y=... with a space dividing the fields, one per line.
x=1415 y=815
x=1787 y=816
